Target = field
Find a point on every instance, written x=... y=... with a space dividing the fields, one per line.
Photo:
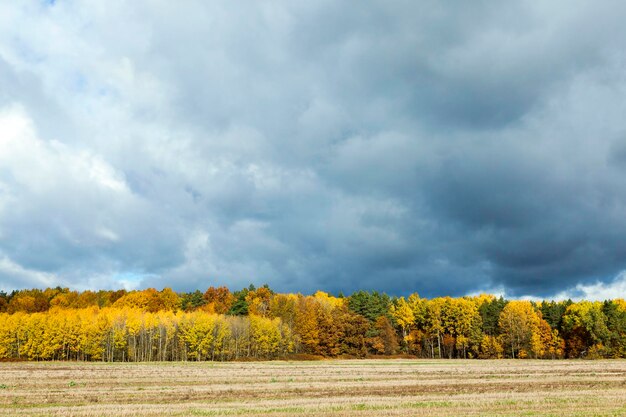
x=324 y=388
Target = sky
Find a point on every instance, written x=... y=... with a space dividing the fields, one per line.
x=437 y=147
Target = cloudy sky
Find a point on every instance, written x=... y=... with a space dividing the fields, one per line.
x=437 y=147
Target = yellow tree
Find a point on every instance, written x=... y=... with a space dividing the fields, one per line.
x=119 y=343
x=518 y=322
x=94 y=328
x=306 y=326
x=133 y=330
x=433 y=322
x=462 y=320
x=6 y=336
x=150 y=300
x=330 y=331
x=167 y=327
x=221 y=335
x=168 y=300
x=197 y=332
x=545 y=341
x=86 y=299
x=55 y=334
x=259 y=301
x=265 y=336
x=34 y=326
x=403 y=315
x=328 y=301
x=284 y=307
x=585 y=325
x=64 y=299
x=490 y=348
x=25 y=303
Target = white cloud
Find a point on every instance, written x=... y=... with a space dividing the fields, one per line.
x=14 y=276
x=62 y=207
x=598 y=291
x=38 y=166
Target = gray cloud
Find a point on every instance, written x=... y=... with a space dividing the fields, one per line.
x=421 y=146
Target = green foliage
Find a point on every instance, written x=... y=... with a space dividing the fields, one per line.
x=4 y=301
x=552 y=312
x=240 y=305
x=490 y=313
x=370 y=305
x=192 y=300
x=615 y=313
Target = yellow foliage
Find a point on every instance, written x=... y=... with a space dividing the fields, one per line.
x=490 y=348
x=328 y=301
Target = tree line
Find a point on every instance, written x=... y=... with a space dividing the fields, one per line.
x=257 y=323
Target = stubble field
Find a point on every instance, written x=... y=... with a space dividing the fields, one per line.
x=325 y=388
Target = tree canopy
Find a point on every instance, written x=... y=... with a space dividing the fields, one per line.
x=147 y=325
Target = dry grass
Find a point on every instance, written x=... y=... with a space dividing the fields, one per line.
x=325 y=388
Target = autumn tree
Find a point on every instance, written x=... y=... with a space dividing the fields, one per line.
x=434 y=325
x=585 y=325
x=28 y=301
x=382 y=337
x=147 y=325
x=218 y=300
x=306 y=325
x=462 y=321
x=546 y=342
x=330 y=330
x=518 y=322
x=65 y=300
x=150 y=300
x=490 y=348
x=258 y=300
x=283 y=306
x=403 y=316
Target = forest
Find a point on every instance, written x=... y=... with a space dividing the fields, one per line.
x=257 y=323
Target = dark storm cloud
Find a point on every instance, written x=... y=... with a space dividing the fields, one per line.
x=443 y=148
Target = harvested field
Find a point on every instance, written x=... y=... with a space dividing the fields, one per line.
x=324 y=388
